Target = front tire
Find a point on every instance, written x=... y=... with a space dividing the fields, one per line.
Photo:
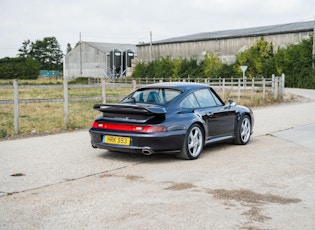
x=193 y=143
x=243 y=131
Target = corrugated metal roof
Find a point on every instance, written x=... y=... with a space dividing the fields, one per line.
x=248 y=32
x=107 y=47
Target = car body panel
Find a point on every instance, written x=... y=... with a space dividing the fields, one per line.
x=160 y=125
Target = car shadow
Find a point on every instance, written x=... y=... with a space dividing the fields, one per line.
x=135 y=158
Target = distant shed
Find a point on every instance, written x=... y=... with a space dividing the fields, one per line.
x=225 y=44
x=96 y=60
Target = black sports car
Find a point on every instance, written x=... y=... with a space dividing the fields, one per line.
x=174 y=117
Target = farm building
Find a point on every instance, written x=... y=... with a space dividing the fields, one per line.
x=97 y=60
x=225 y=44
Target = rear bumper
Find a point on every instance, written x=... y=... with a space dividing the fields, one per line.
x=167 y=142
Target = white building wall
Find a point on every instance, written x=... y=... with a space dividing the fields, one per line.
x=90 y=60
x=225 y=49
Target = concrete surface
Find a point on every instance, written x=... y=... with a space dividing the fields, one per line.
x=304 y=135
x=59 y=181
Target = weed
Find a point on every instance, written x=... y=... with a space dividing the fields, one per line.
x=3 y=133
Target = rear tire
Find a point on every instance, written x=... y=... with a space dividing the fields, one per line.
x=243 y=131
x=193 y=143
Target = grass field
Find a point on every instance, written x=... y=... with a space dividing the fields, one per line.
x=41 y=118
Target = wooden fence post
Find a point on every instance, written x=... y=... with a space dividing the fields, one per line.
x=273 y=81
x=103 y=89
x=264 y=88
x=16 y=106
x=66 y=102
x=239 y=90
x=282 y=83
x=253 y=88
x=276 y=88
x=134 y=85
x=223 y=87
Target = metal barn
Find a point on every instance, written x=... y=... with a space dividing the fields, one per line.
x=226 y=43
x=98 y=60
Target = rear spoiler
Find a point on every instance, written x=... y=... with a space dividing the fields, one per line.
x=129 y=108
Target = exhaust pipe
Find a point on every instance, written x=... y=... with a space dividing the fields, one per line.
x=147 y=151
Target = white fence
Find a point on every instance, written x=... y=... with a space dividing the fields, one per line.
x=224 y=85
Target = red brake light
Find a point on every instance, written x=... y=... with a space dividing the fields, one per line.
x=130 y=128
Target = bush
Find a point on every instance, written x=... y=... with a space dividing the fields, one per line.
x=3 y=133
x=295 y=62
x=19 y=68
x=79 y=80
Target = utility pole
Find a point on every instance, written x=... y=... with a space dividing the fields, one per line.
x=150 y=46
x=80 y=57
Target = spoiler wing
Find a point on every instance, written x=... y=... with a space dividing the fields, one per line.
x=130 y=112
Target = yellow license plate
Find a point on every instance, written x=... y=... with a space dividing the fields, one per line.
x=117 y=140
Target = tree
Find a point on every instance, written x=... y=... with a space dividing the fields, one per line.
x=139 y=70
x=68 y=47
x=189 y=68
x=46 y=51
x=211 y=66
x=258 y=58
x=165 y=68
x=25 y=49
x=20 y=67
x=296 y=62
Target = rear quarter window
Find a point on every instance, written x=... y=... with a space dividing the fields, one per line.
x=189 y=102
x=205 y=98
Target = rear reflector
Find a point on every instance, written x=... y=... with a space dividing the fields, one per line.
x=130 y=128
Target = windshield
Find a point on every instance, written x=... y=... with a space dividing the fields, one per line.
x=152 y=96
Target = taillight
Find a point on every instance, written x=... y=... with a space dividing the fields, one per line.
x=130 y=128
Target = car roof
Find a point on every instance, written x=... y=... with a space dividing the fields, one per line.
x=182 y=86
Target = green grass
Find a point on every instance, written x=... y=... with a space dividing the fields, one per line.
x=247 y=98
x=39 y=118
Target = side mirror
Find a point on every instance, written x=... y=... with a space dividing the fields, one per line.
x=231 y=103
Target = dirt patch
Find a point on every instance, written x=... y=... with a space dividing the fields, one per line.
x=248 y=196
x=180 y=186
x=133 y=177
x=128 y=177
x=252 y=200
x=254 y=214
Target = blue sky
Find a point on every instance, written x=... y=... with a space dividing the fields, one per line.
x=130 y=21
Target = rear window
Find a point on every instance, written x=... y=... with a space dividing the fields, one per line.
x=152 y=96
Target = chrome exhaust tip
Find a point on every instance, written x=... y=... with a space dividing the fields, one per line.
x=147 y=151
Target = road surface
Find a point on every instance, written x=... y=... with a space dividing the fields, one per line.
x=59 y=181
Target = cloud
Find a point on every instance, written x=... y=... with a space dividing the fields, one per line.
x=121 y=21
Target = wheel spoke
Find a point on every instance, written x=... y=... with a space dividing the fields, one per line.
x=245 y=130
x=195 y=141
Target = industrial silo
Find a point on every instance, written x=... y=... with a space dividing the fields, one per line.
x=128 y=55
x=115 y=62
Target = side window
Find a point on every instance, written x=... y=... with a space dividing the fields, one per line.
x=189 y=102
x=205 y=98
x=217 y=100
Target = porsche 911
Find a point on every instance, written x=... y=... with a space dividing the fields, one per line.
x=176 y=118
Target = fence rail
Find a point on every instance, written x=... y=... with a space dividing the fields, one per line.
x=239 y=85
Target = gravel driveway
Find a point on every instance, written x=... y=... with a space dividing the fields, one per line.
x=59 y=181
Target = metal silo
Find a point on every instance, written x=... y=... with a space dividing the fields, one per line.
x=128 y=55
x=115 y=62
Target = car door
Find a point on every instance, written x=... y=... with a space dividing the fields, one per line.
x=220 y=119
